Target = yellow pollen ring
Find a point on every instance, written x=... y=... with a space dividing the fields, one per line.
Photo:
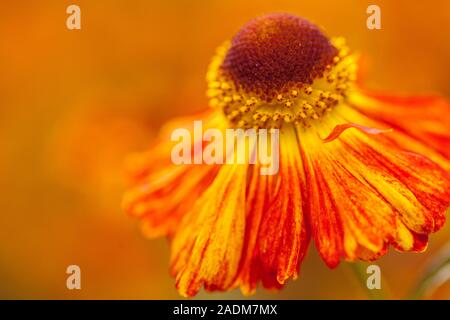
x=300 y=105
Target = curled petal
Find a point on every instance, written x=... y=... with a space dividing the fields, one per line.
x=414 y=185
x=421 y=122
x=340 y=128
x=365 y=192
x=348 y=219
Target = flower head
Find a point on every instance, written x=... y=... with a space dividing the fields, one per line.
x=359 y=171
x=279 y=69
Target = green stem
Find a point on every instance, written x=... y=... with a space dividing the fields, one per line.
x=360 y=271
x=437 y=274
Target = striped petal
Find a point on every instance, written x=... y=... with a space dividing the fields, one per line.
x=366 y=192
x=284 y=236
x=206 y=248
x=161 y=191
x=422 y=122
x=257 y=203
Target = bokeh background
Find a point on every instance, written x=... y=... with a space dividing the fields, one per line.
x=73 y=104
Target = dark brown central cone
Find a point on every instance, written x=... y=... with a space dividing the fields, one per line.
x=274 y=53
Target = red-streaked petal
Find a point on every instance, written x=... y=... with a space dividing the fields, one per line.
x=348 y=218
x=284 y=237
x=161 y=191
x=257 y=202
x=160 y=200
x=366 y=192
x=206 y=249
x=415 y=186
x=423 y=120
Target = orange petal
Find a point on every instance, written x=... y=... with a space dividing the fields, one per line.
x=160 y=200
x=206 y=249
x=284 y=238
x=257 y=201
x=415 y=186
x=161 y=190
x=423 y=122
x=348 y=218
x=365 y=192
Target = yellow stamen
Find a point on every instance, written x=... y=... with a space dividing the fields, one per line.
x=301 y=104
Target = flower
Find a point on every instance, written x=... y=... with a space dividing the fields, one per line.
x=359 y=171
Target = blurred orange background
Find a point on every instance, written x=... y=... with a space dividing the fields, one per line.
x=74 y=103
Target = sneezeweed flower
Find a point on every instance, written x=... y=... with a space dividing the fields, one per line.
x=359 y=171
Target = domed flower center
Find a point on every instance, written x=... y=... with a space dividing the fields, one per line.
x=272 y=54
x=278 y=69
